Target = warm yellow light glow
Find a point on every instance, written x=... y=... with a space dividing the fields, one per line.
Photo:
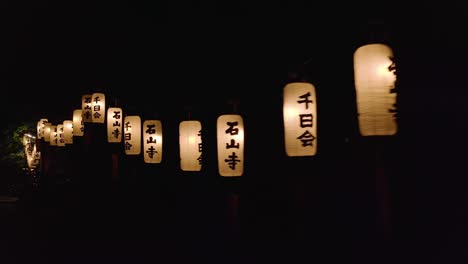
x=86 y=107
x=60 y=136
x=190 y=145
x=47 y=127
x=78 y=124
x=40 y=127
x=98 y=106
x=114 y=124
x=26 y=140
x=375 y=78
x=132 y=135
x=300 y=119
x=152 y=141
x=68 y=131
x=53 y=136
x=230 y=142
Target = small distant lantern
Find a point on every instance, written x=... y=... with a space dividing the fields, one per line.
x=230 y=139
x=47 y=128
x=78 y=124
x=132 y=135
x=53 y=136
x=35 y=159
x=300 y=119
x=98 y=107
x=86 y=109
x=40 y=127
x=152 y=141
x=60 y=136
x=68 y=131
x=190 y=144
x=114 y=125
x=375 y=79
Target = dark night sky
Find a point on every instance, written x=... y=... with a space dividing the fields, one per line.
x=182 y=51
x=164 y=57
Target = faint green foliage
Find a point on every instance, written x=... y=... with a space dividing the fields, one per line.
x=12 y=153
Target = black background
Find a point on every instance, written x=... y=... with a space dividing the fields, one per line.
x=166 y=59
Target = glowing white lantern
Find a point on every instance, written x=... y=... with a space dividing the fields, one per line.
x=47 y=127
x=53 y=136
x=114 y=125
x=60 y=136
x=35 y=158
x=132 y=135
x=230 y=138
x=98 y=107
x=190 y=144
x=86 y=109
x=152 y=141
x=40 y=127
x=78 y=124
x=300 y=119
x=374 y=79
x=26 y=140
x=68 y=131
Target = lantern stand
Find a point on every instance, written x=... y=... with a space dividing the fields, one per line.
x=115 y=154
x=95 y=181
x=76 y=157
x=232 y=197
x=130 y=166
x=377 y=32
x=383 y=195
x=301 y=168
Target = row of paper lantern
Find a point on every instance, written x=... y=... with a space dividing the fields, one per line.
x=375 y=78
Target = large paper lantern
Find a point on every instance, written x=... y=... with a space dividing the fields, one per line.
x=98 y=107
x=152 y=141
x=47 y=128
x=78 y=124
x=132 y=135
x=190 y=145
x=86 y=107
x=53 y=136
x=68 y=131
x=300 y=119
x=40 y=127
x=60 y=136
x=375 y=79
x=114 y=124
x=230 y=141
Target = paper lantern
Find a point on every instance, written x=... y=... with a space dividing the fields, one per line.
x=86 y=109
x=25 y=140
x=152 y=141
x=47 y=127
x=40 y=127
x=53 y=136
x=190 y=145
x=68 y=131
x=33 y=158
x=98 y=107
x=28 y=143
x=60 y=136
x=114 y=125
x=78 y=124
x=300 y=119
x=374 y=79
x=230 y=140
x=132 y=135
